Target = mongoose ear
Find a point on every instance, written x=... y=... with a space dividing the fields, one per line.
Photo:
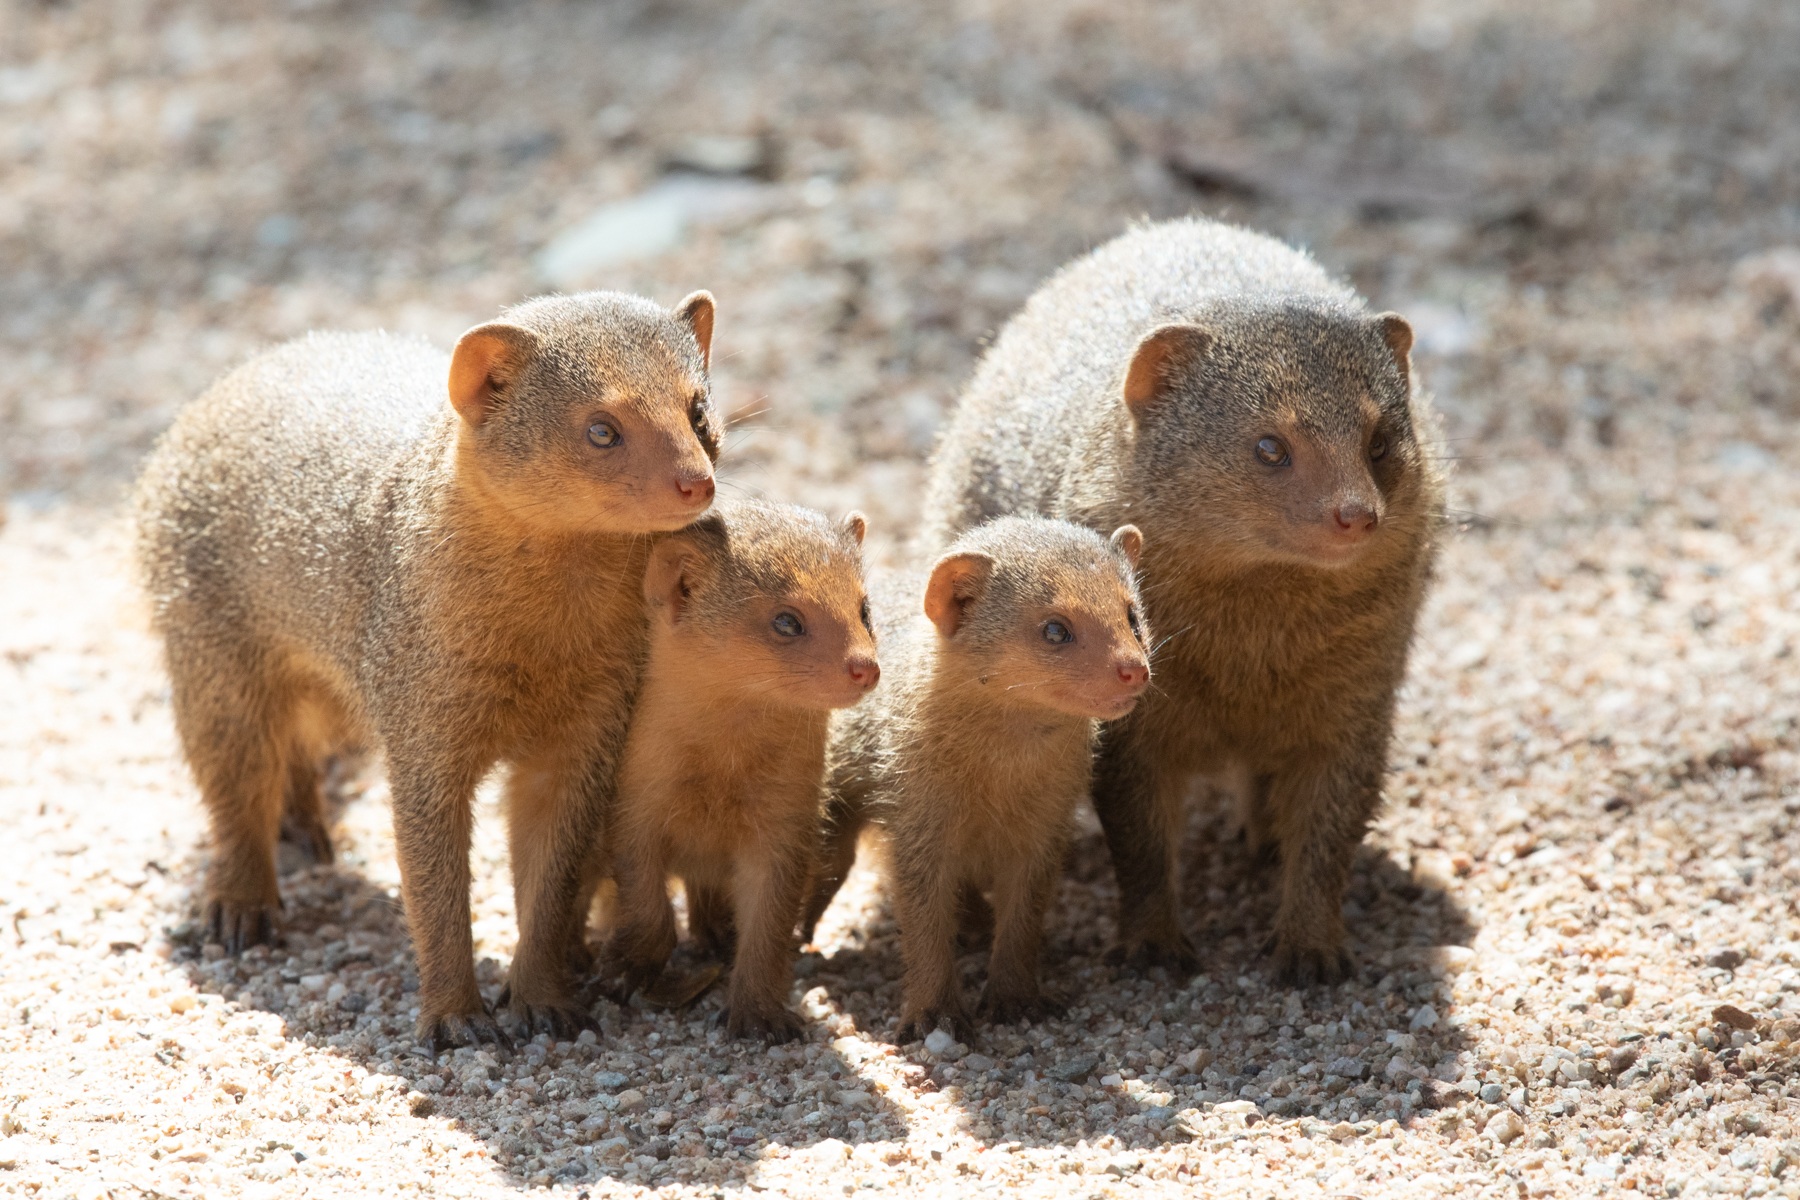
x=1399 y=338
x=1130 y=543
x=486 y=359
x=956 y=581
x=670 y=577
x=697 y=311
x=857 y=525
x=1160 y=353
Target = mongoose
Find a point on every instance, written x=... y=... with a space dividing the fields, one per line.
x=1258 y=422
x=974 y=755
x=336 y=554
x=758 y=630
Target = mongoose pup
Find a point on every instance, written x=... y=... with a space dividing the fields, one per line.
x=758 y=630
x=337 y=554
x=974 y=755
x=1258 y=422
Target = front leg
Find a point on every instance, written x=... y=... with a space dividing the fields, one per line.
x=1140 y=802
x=554 y=811
x=925 y=888
x=432 y=820
x=1022 y=892
x=645 y=936
x=768 y=887
x=1322 y=815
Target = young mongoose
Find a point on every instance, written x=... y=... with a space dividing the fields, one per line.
x=336 y=554
x=974 y=755
x=758 y=629
x=1258 y=422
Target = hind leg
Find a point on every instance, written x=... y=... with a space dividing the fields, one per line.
x=303 y=821
x=234 y=724
x=711 y=922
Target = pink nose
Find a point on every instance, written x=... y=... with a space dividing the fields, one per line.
x=1354 y=520
x=695 y=489
x=864 y=672
x=1134 y=674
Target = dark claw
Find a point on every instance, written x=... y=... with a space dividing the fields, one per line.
x=920 y=1027
x=773 y=1027
x=1010 y=1010
x=563 y=1022
x=1305 y=967
x=1177 y=955
x=461 y=1029
x=237 y=928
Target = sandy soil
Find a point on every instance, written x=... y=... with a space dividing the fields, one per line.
x=1576 y=924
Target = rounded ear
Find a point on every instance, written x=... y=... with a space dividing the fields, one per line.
x=486 y=359
x=1399 y=338
x=857 y=525
x=671 y=575
x=1157 y=357
x=956 y=582
x=1129 y=542
x=696 y=310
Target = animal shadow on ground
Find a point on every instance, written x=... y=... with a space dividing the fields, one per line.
x=650 y=1096
x=1147 y=1057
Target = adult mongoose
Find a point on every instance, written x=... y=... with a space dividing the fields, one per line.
x=1258 y=422
x=758 y=630
x=336 y=553
x=972 y=757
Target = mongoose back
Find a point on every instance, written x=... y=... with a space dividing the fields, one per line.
x=973 y=756
x=1257 y=421
x=335 y=552
x=758 y=629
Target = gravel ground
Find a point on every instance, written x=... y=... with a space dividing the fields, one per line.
x=1576 y=922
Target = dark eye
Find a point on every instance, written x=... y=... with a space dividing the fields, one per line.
x=1273 y=451
x=697 y=414
x=787 y=625
x=603 y=434
x=1378 y=449
x=1057 y=634
x=864 y=614
x=1137 y=625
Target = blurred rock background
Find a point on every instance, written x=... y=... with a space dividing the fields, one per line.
x=1589 y=209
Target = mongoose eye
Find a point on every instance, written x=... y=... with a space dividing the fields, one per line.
x=864 y=614
x=1057 y=634
x=1273 y=451
x=697 y=414
x=787 y=625
x=603 y=434
x=1378 y=449
x=1136 y=623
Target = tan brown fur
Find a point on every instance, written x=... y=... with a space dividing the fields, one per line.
x=722 y=770
x=972 y=758
x=337 y=554
x=1138 y=385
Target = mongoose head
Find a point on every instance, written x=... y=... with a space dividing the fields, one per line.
x=766 y=601
x=1279 y=431
x=1044 y=613
x=591 y=413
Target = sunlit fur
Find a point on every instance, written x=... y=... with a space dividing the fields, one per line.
x=721 y=775
x=336 y=556
x=973 y=753
x=1285 y=637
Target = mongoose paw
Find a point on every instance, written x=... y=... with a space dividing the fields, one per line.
x=239 y=925
x=563 y=1022
x=919 y=1026
x=309 y=835
x=1305 y=966
x=1176 y=954
x=450 y=1030
x=774 y=1025
x=1010 y=1009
